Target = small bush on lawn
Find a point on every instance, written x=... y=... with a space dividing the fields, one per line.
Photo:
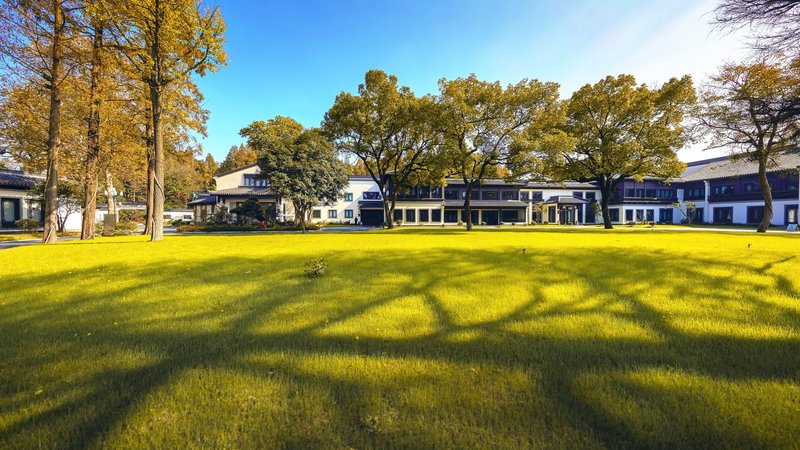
x=27 y=224
x=177 y=222
x=131 y=215
x=316 y=268
x=122 y=228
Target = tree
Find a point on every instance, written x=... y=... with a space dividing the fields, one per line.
x=238 y=156
x=300 y=165
x=249 y=211
x=35 y=35
x=750 y=109
x=207 y=168
x=69 y=200
x=166 y=41
x=687 y=209
x=776 y=23
x=483 y=121
x=391 y=131
x=622 y=130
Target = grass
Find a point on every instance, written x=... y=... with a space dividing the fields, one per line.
x=19 y=236
x=413 y=338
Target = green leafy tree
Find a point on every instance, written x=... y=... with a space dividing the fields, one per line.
x=300 y=165
x=250 y=211
x=485 y=124
x=393 y=133
x=622 y=130
x=750 y=109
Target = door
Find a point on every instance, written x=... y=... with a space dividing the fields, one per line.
x=372 y=217
x=791 y=214
x=491 y=217
x=9 y=212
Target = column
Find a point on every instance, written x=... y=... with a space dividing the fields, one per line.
x=707 y=207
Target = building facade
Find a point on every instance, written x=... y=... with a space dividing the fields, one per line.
x=724 y=191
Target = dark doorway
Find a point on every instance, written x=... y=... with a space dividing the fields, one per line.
x=10 y=212
x=490 y=217
x=372 y=217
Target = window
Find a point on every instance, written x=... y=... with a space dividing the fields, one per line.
x=614 y=214
x=348 y=196
x=348 y=213
x=665 y=215
x=639 y=193
x=509 y=215
x=451 y=194
x=331 y=214
x=537 y=196
x=665 y=193
x=723 y=190
x=436 y=215
x=698 y=215
x=630 y=192
x=628 y=215
x=650 y=193
x=524 y=196
x=451 y=215
x=649 y=215
x=510 y=195
x=424 y=192
x=695 y=193
x=411 y=215
x=423 y=215
x=436 y=192
x=252 y=180
x=591 y=196
x=489 y=195
x=372 y=195
x=398 y=215
x=723 y=215
x=577 y=194
x=316 y=214
x=755 y=214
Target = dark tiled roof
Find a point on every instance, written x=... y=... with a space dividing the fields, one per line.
x=486 y=204
x=17 y=179
x=727 y=168
x=566 y=200
x=260 y=192
x=360 y=177
x=563 y=185
x=206 y=200
x=486 y=182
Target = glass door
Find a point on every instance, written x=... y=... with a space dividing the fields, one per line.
x=9 y=212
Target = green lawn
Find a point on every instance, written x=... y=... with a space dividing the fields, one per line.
x=413 y=338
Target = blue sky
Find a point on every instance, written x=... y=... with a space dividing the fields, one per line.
x=292 y=58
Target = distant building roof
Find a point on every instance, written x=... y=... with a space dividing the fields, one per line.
x=732 y=168
x=17 y=179
x=260 y=192
x=228 y=172
x=566 y=200
x=205 y=200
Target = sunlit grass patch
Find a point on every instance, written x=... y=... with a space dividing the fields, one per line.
x=412 y=338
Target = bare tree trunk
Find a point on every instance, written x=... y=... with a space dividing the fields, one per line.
x=468 y=205
x=54 y=130
x=388 y=208
x=158 y=167
x=110 y=201
x=151 y=184
x=92 y=138
x=605 y=196
x=766 y=193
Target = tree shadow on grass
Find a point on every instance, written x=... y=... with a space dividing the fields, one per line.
x=620 y=319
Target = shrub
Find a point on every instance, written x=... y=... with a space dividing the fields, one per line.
x=316 y=268
x=220 y=216
x=122 y=228
x=27 y=224
x=131 y=215
x=237 y=227
x=176 y=222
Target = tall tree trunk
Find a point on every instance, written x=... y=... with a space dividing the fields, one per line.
x=158 y=167
x=468 y=205
x=606 y=187
x=766 y=193
x=54 y=130
x=151 y=184
x=93 y=137
x=110 y=200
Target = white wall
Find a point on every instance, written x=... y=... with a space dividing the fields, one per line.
x=357 y=187
x=234 y=179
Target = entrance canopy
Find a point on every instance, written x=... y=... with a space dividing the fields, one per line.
x=566 y=200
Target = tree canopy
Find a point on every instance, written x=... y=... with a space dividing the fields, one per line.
x=622 y=130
